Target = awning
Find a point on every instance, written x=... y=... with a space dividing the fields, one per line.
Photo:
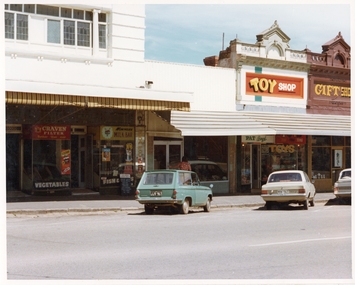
x=201 y=123
x=93 y=102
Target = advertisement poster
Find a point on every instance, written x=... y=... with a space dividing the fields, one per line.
x=65 y=155
x=338 y=158
x=106 y=154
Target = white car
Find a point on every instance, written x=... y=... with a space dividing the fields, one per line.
x=342 y=188
x=288 y=186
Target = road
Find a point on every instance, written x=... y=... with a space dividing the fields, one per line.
x=238 y=243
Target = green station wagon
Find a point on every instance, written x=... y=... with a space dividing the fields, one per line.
x=172 y=188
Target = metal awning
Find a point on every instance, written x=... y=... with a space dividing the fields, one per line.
x=93 y=102
x=201 y=123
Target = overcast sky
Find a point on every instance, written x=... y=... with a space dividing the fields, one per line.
x=187 y=33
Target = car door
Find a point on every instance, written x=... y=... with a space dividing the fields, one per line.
x=200 y=191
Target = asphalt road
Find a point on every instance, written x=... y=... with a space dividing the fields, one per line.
x=225 y=244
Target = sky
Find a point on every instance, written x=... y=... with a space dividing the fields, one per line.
x=187 y=33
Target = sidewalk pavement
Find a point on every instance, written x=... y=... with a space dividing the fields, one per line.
x=85 y=206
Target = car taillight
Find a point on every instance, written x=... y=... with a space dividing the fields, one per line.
x=302 y=191
x=137 y=194
x=264 y=192
x=174 y=194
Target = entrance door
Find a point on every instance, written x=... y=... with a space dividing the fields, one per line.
x=167 y=154
x=256 y=167
x=85 y=173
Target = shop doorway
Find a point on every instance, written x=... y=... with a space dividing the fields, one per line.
x=167 y=154
x=256 y=165
x=82 y=161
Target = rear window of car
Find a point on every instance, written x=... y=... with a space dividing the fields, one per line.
x=158 y=178
x=346 y=174
x=285 y=177
x=208 y=172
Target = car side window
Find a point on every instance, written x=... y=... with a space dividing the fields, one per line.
x=194 y=178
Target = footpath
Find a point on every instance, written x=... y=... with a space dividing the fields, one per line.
x=129 y=204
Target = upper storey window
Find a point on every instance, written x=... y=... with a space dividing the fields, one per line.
x=72 y=27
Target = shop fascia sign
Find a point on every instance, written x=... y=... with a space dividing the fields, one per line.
x=116 y=133
x=260 y=84
x=332 y=90
x=258 y=139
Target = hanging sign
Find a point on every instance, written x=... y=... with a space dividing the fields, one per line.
x=116 y=133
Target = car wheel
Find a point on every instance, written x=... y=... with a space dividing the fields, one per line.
x=148 y=210
x=305 y=204
x=207 y=207
x=311 y=203
x=268 y=205
x=184 y=208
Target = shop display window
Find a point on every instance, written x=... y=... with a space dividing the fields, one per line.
x=245 y=167
x=321 y=162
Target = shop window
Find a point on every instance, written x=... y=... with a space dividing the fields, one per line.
x=245 y=158
x=347 y=157
x=321 y=162
x=337 y=141
x=348 y=141
x=321 y=140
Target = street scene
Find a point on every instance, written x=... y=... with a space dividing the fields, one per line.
x=155 y=142
x=227 y=243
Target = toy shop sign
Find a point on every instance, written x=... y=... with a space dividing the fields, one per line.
x=272 y=85
x=50 y=132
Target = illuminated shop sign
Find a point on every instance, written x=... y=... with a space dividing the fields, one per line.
x=273 y=85
x=50 y=132
x=116 y=133
x=332 y=90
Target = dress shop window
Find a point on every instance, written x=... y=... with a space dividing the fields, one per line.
x=72 y=27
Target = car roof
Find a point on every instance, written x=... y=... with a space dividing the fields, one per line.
x=288 y=171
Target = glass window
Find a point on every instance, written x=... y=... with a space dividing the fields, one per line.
x=22 y=27
x=47 y=10
x=337 y=141
x=102 y=18
x=53 y=32
x=347 y=157
x=65 y=12
x=88 y=15
x=29 y=8
x=69 y=32
x=321 y=140
x=348 y=141
x=83 y=31
x=78 y=14
x=9 y=26
x=102 y=36
x=321 y=162
x=16 y=7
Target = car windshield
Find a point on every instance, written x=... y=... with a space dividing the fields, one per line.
x=284 y=177
x=158 y=178
x=346 y=174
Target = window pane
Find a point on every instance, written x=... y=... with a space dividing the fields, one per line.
x=321 y=161
x=65 y=12
x=47 y=10
x=102 y=18
x=29 y=8
x=102 y=36
x=69 y=32
x=22 y=27
x=321 y=140
x=53 y=32
x=16 y=7
x=337 y=141
x=9 y=26
x=78 y=14
x=83 y=34
x=88 y=16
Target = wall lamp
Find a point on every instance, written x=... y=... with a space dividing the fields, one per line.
x=148 y=83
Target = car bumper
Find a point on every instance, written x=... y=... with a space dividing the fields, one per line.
x=159 y=201
x=284 y=198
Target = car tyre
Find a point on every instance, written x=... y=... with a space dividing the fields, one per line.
x=311 y=203
x=268 y=205
x=207 y=207
x=148 y=210
x=305 y=204
x=184 y=208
